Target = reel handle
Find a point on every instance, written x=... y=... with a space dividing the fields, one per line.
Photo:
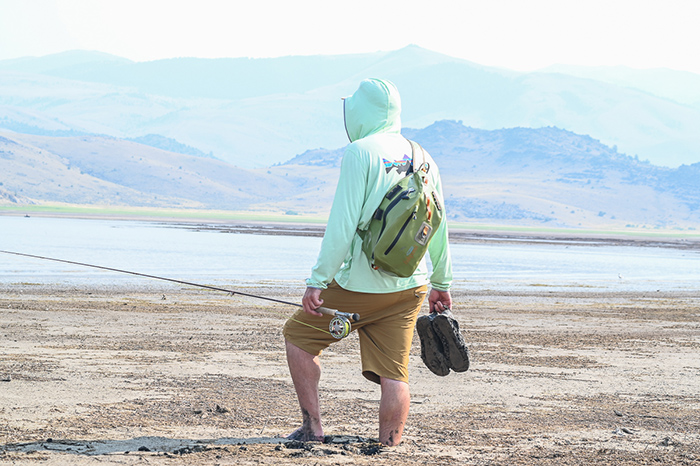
x=333 y=313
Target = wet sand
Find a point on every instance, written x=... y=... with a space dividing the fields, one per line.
x=164 y=375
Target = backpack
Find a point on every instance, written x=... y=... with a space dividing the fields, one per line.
x=398 y=235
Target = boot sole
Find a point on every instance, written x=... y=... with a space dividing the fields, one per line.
x=455 y=349
x=431 y=348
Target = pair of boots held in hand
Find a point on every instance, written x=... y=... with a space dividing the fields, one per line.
x=442 y=346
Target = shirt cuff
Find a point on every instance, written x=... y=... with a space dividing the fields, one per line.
x=314 y=284
x=440 y=287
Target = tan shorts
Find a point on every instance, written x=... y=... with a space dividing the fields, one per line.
x=385 y=328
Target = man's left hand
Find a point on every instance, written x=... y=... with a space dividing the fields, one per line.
x=439 y=301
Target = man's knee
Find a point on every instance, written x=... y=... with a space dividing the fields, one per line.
x=295 y=351
x=393 y=386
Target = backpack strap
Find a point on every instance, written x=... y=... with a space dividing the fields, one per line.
x=422 y=161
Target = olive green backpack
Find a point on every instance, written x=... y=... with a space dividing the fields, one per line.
x=398 y=235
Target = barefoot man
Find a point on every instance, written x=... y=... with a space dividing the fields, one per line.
x=343 y=278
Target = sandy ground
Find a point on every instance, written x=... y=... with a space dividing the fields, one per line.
x=172 y=375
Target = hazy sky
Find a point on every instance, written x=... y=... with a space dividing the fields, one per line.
x=517 y=34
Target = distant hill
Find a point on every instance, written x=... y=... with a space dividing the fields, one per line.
x=517 y=176
x=555 y=176
x=74 y=61
x=110 y=171
x=680 y=86
x=168 y=144
x=259 y=112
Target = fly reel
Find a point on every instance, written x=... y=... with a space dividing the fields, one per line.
x=339 y=327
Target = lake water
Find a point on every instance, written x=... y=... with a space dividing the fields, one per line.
x=213 y=257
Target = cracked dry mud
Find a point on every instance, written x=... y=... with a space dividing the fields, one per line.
x=170 y=375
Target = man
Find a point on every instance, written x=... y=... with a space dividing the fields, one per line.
x=343 y=278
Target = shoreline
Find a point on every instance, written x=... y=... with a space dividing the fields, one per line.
x=459 y=232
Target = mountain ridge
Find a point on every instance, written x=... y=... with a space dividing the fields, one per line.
x=258 y=112
x=518 y=176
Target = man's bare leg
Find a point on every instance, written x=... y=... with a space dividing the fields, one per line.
x=305 y=369
x=393 y=411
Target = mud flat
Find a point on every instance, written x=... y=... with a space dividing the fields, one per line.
x=173 y=375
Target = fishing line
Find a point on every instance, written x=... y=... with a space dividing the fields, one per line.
x=339 y=326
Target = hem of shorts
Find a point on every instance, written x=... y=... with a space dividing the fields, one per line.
x=301 y=347
x=376 y=378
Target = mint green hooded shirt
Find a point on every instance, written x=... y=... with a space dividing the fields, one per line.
x=374 y=161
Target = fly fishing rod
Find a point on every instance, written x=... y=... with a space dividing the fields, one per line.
x=339 y=326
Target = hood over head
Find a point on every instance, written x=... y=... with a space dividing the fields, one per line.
x=375 y=107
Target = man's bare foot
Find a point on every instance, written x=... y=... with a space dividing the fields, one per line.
x=304 y=434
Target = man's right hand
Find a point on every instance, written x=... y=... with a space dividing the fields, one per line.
x=312 y=301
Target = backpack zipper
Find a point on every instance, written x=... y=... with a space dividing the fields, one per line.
x=403 y=227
